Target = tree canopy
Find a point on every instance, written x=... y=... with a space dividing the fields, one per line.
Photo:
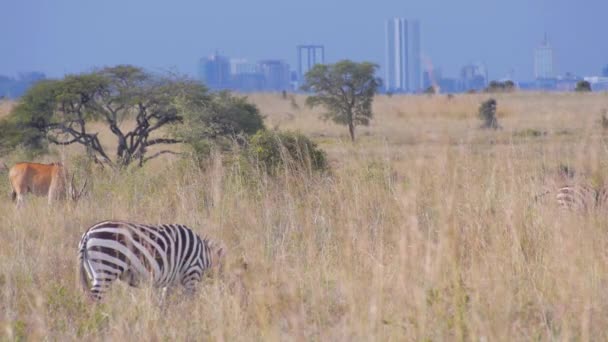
x=346 y=90
x=583 y=86
x=133 y=104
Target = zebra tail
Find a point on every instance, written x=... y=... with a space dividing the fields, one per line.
x=82 y=259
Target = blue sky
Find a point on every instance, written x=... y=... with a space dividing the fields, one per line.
x=66 y=36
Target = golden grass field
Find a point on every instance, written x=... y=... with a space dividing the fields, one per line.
x=425 y=229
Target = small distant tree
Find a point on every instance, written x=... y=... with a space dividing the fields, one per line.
x=499 y=87
x=583 y=86
x=346 y=90
x=487 y=113
x=432 y=90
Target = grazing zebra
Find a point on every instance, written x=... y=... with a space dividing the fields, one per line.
x=163 y=255
x=582 y=197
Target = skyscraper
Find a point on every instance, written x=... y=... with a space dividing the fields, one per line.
x=403 y=58
x=314 y=54
x=396 y=68
x=474 y=77
x=276 y=74
x=214 y=71
x=543 y=61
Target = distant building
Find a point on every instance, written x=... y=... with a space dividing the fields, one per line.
x=396 y=68
x=403 y=71
x=431 y=78
x=276 y=75
x=474 y=77
x=598 y=83
x=214 y=71
x=245 y=76
x=449 y=85
x=543 y=61
x=428 y=79
x=313 y=54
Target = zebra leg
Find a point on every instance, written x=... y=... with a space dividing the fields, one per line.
x=130 y=277
x=165 y=292
x=102 y=280
x=190 y=282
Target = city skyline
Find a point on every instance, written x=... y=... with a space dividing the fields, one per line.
x=68 y=36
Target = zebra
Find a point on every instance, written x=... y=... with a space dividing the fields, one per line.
x=580 y=197
x=163 y=255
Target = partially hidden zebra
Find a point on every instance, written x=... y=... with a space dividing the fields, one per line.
x=581 y=197
x=163 y=255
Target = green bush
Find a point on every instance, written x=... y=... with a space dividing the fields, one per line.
x=273 y=150
x=487 y=113
x=221 y=122
x=583 y=86
x=14 y=134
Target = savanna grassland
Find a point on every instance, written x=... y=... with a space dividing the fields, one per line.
x=427 y=228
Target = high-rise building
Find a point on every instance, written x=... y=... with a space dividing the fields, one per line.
x=474 y=77
x=214 y=71
x=246 y=76
x=276 y=75
x=396 y=68
x=415 y=58
x=313 y=54
x=543 y=61
x=403 y=72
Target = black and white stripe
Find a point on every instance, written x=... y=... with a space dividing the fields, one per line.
x=582 y=197
x=163 y=255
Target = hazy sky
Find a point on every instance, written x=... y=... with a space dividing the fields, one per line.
x=64 y=36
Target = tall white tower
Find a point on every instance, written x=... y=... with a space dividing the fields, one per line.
x=396 y=69
x=543 y=60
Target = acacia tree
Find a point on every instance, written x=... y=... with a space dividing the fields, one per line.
x=62 y=111
x=219 y=122
x=346 y=90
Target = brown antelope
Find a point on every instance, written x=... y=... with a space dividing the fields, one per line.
x=42 y=180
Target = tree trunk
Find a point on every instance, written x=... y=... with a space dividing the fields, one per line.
x=351 y=130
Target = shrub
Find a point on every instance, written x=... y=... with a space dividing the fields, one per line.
x=583 y=86
x=432 y=90
x=500 y=87
x=223 y=121
x=529 y=133
x=273 y=150
x=487 y=113
x=14 y=134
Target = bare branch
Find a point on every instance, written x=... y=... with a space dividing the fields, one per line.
x=162 y=141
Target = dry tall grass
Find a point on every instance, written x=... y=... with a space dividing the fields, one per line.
x=426 y=229
x=5 y=107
